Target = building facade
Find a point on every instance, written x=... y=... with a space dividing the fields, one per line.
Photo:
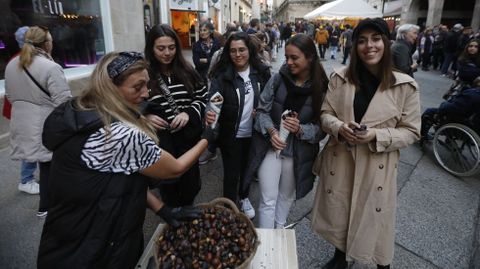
x=294 y=10
x=449 y=12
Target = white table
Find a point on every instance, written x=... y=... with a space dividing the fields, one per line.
x=277 y=250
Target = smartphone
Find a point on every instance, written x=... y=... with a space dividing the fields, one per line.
x=361 y=130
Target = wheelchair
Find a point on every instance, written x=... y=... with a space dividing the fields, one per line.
x=456 y=142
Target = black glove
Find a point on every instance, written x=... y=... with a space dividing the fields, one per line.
x=174 y=215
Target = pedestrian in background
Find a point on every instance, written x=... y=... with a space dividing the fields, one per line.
x=300 y=86
x=355 y=201
x=404 y=47
x=239 y=76
x=321 y=38
x=346 y=40
x=334 y=39
x=450 y=49
x=104 y=153
x=176 y=107
x=27 y=169
x=286 y=33
x=35 y=85
x=426 y=46
x=204 y=49
x=438 y=43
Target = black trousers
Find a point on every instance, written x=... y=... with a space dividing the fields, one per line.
x=426 y=59
x=322 y=48
x=44 y=175
x=438 y=57
x=346 y=52
x=428 y=119
x=235 y=158
x=183 y=191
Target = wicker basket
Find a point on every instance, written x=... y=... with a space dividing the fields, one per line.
x=226 y=204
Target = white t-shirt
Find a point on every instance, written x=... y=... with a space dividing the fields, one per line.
x=246 y=122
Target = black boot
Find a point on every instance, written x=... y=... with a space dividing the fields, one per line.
x=383 y=266
x=337 y=262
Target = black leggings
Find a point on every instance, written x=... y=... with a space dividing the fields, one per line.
x=44 y=175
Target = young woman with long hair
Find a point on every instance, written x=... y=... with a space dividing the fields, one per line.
x=239 y=76
x=285 y=166
x=469 y=62
x=176 y=107
x=104 y=153
x=370 y=113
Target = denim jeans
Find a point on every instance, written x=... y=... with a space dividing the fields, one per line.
x=26 y=171
x=333 y=51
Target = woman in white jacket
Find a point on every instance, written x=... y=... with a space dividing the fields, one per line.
x=35 y=85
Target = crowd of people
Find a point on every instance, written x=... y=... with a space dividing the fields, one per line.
x=137 y=134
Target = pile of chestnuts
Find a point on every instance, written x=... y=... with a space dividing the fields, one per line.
x=220 y=239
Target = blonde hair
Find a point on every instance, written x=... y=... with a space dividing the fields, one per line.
x=35 y=37
x=103 y=95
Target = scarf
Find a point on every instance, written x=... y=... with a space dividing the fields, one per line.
x=296 y=95
x=206 y=46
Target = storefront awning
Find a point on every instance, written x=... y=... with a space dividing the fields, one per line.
x=393 y=8
x=343 y=9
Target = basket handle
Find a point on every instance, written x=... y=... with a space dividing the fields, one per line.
x=225 y=201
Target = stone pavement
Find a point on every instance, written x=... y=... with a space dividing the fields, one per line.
x=437 y=214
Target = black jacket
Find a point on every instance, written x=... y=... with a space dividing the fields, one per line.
x=95 y=218
x=198 y=53
x=230 y=85
x=452 y=42
x=401 y=57
x=463 y=106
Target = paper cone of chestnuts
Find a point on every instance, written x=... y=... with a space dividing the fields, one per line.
x=222 y=238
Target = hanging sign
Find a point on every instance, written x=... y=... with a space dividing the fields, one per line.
x=184 y=4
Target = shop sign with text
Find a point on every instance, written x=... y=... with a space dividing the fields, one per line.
x=184 y=4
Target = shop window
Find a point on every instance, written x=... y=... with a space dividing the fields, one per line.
x=75 y=25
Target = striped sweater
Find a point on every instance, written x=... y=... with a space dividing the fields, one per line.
x=194 y=105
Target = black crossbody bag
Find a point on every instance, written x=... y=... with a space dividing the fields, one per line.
x=36 y=82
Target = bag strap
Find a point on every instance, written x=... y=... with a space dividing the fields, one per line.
x=36 y=82
x=168 y=95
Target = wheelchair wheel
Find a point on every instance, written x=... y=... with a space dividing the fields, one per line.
x=457 y=149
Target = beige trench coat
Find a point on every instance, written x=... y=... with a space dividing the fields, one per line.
x=355 y=201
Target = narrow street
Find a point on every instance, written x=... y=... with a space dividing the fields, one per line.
x=437 y=214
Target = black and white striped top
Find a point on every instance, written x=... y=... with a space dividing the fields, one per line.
x=125 y=150
x=193 y=106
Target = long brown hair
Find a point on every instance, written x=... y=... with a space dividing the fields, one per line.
x=183 y=70
x=387 y=79
x=318 y=76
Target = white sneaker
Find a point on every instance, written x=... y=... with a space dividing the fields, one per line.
x=30 y=187
x=247 y=208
